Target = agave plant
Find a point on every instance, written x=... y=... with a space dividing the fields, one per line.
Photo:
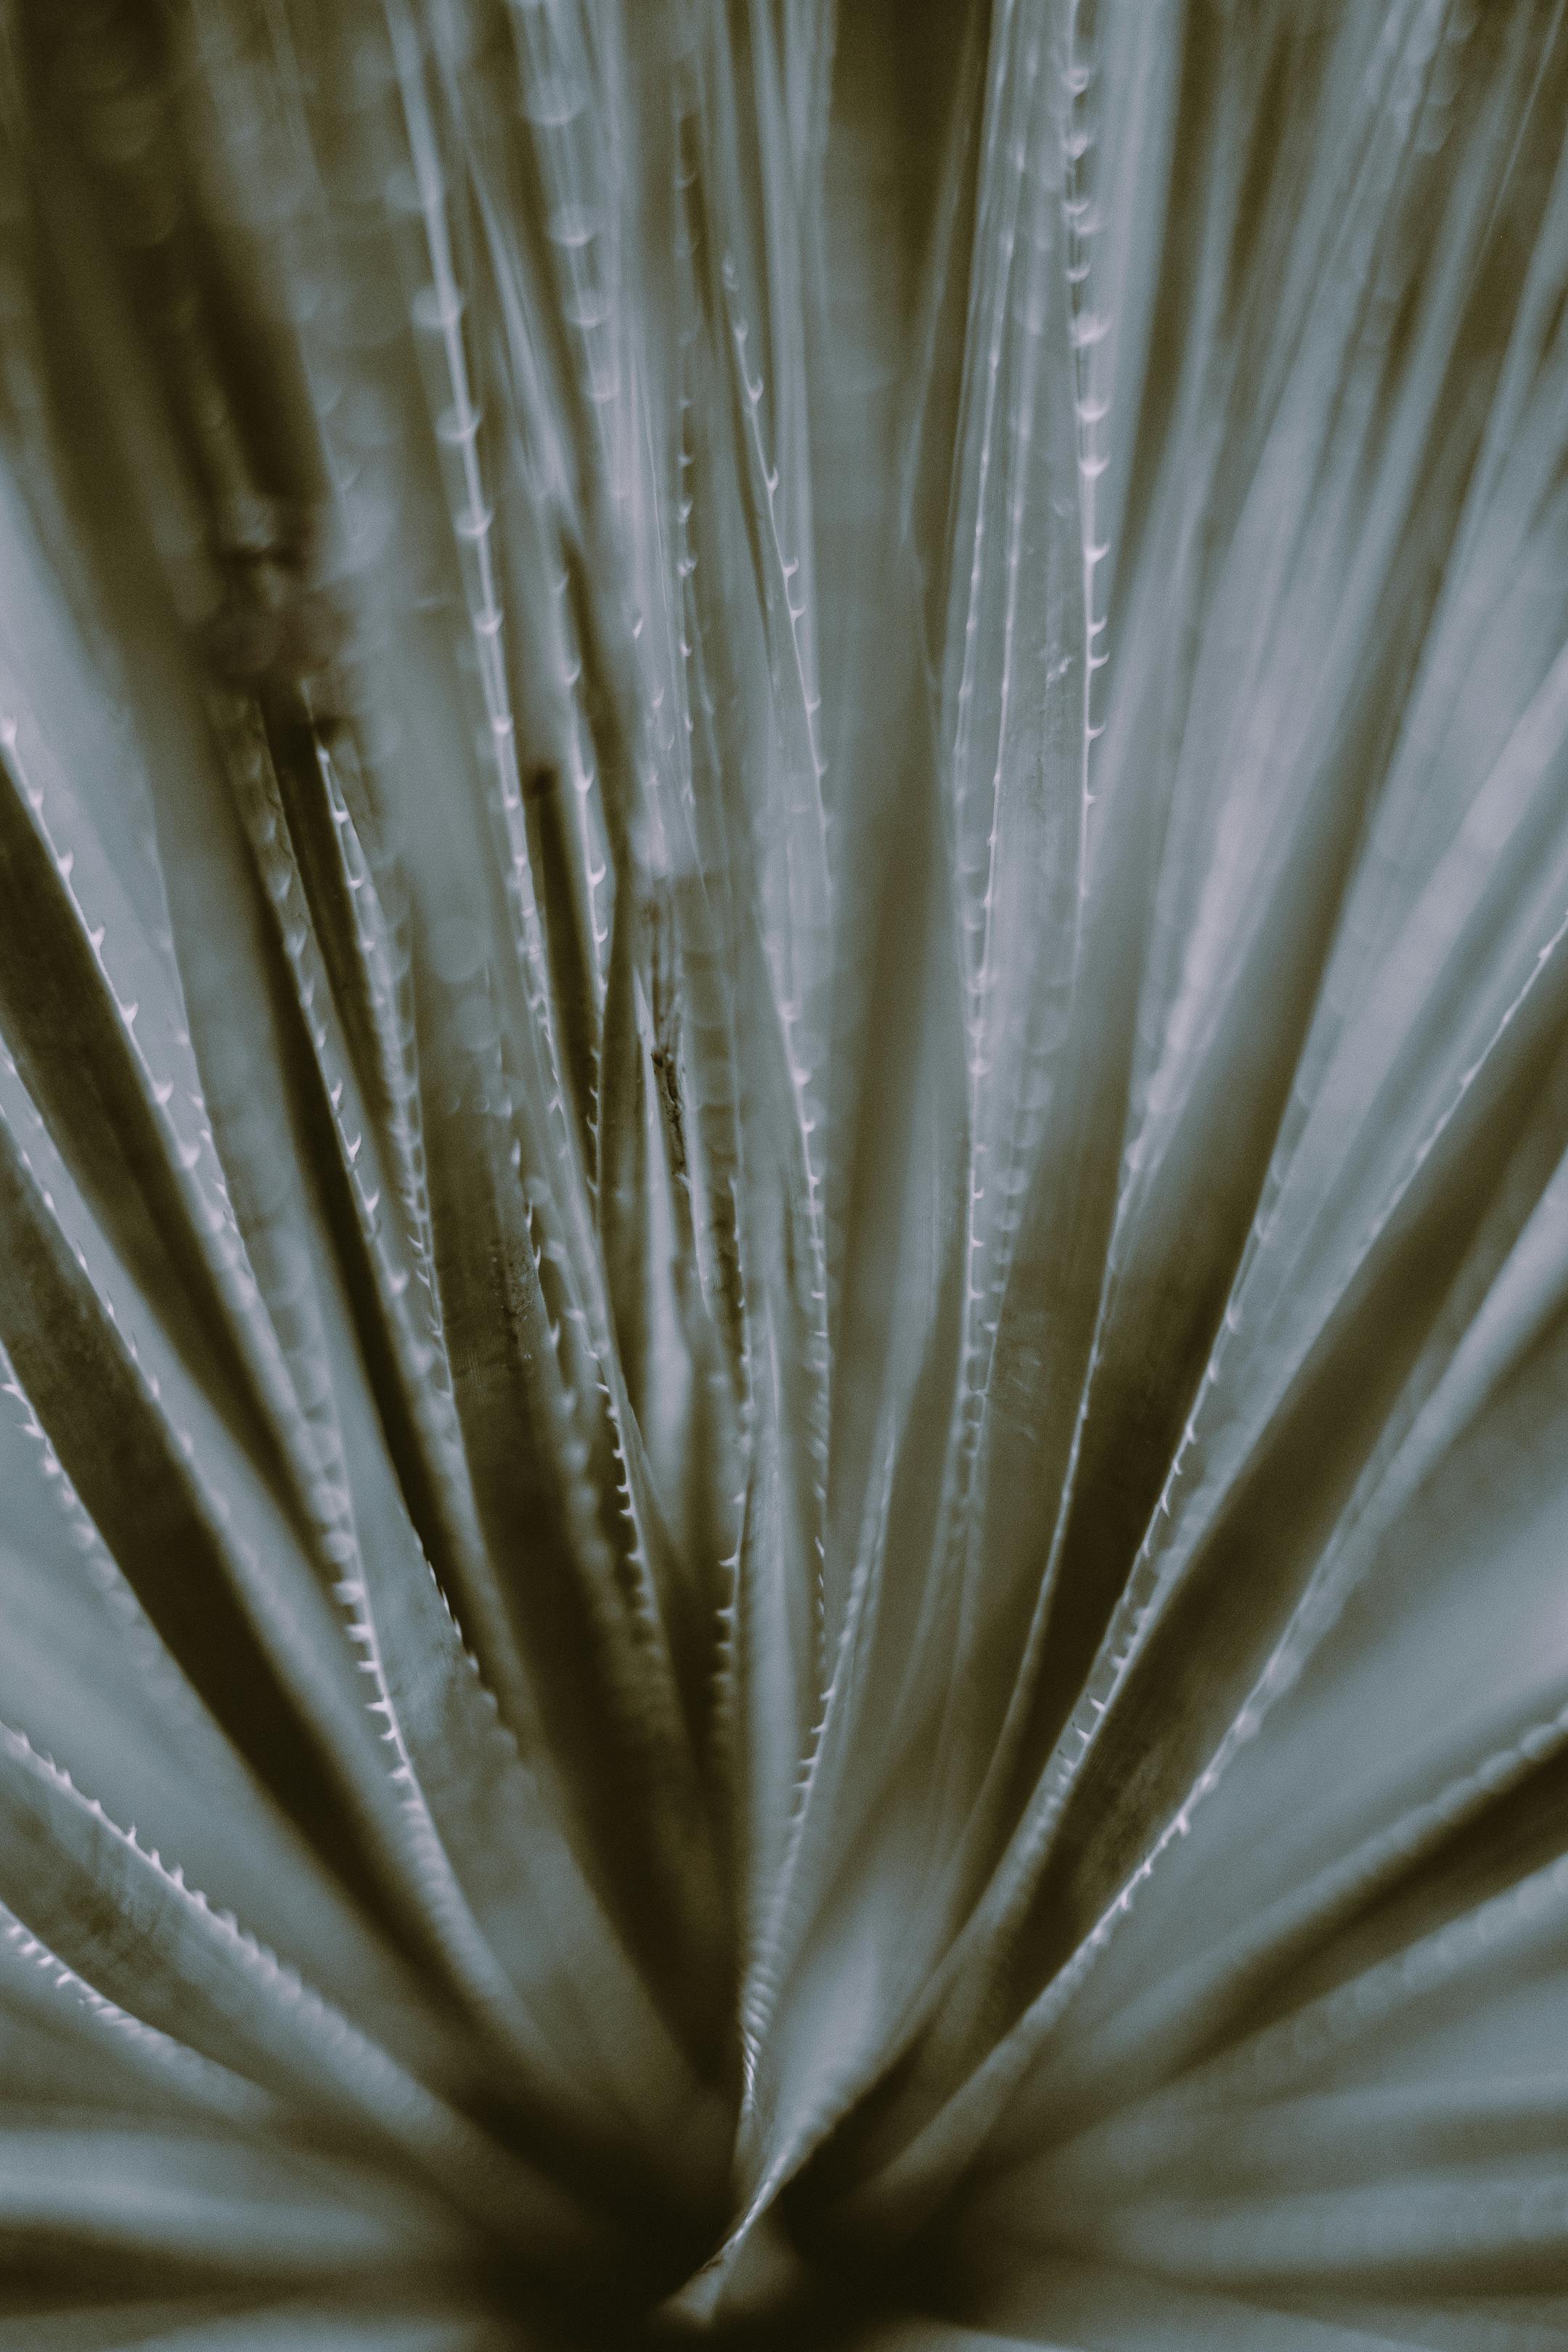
x=784 y=1216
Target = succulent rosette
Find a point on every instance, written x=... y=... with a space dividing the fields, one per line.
x=784 y=1216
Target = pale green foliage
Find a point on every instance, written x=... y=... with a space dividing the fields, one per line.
x=784 y=943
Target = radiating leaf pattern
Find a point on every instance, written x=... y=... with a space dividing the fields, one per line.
x=783 y=1174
